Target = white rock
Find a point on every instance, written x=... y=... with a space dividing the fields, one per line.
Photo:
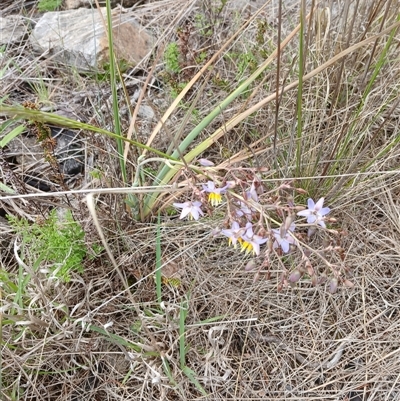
x=78 y=37
x=70 y=4
x=13 y=29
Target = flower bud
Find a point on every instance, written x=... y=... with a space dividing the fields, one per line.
x=333 y=285
x=250 y=265
x=206 y=163
x=348 y=283
x=216 y=232
x=295 y=276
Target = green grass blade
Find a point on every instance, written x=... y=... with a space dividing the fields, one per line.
x=11 y=135
x=19 y=112
x=113 y=81
x=182 y=337
x=190 y=374
x=5 y=188
x=114 y=338
x=167 y=370
x=300 y=94
x=158 y=261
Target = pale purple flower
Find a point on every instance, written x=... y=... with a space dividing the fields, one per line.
x=244 y=210
x=191 y=209
x=252 y=193
x=283 y=238
x=234 y=233
x=215 y=196
x=315 y=212
x=251 y=242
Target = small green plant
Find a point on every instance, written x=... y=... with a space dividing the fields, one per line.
x=59 y=244
x=176 y=88
x=171 y=57
x=48 y=5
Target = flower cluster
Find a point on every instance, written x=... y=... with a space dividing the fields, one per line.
x=258 y=219
x=249 y=241
x=245 y=209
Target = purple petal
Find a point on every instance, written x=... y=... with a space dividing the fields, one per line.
x=259 y=240
x=181 y=205
x=195 y=213
x=210 y=186
x=185 y=212
x=304 y=213
x=311 y=219
x=324 y=211
x=235 y=225
x=285 y=245
x=311 y=204
x=227 y=233
x=319 y=204
x=256 y=248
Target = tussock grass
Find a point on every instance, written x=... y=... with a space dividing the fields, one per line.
x=206 y=328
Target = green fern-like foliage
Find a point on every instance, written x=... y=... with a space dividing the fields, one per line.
x=171 y=57
x=57 y=245
x=48 y=5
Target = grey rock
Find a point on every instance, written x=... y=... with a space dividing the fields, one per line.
x=72 y=4
x=69 y=151
x=146 y=112
x=79 y=38
x=13 y=29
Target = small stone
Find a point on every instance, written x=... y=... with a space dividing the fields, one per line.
x=146 y=112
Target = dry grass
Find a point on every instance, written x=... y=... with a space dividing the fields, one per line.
x=92 y=339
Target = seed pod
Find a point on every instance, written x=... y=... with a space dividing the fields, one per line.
x=288 y=222
x=314 y=280
x=348 y=283
x=310 y=269
x=250 y=265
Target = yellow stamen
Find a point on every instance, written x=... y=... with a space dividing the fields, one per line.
x=214 y=198
x=246 y=246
